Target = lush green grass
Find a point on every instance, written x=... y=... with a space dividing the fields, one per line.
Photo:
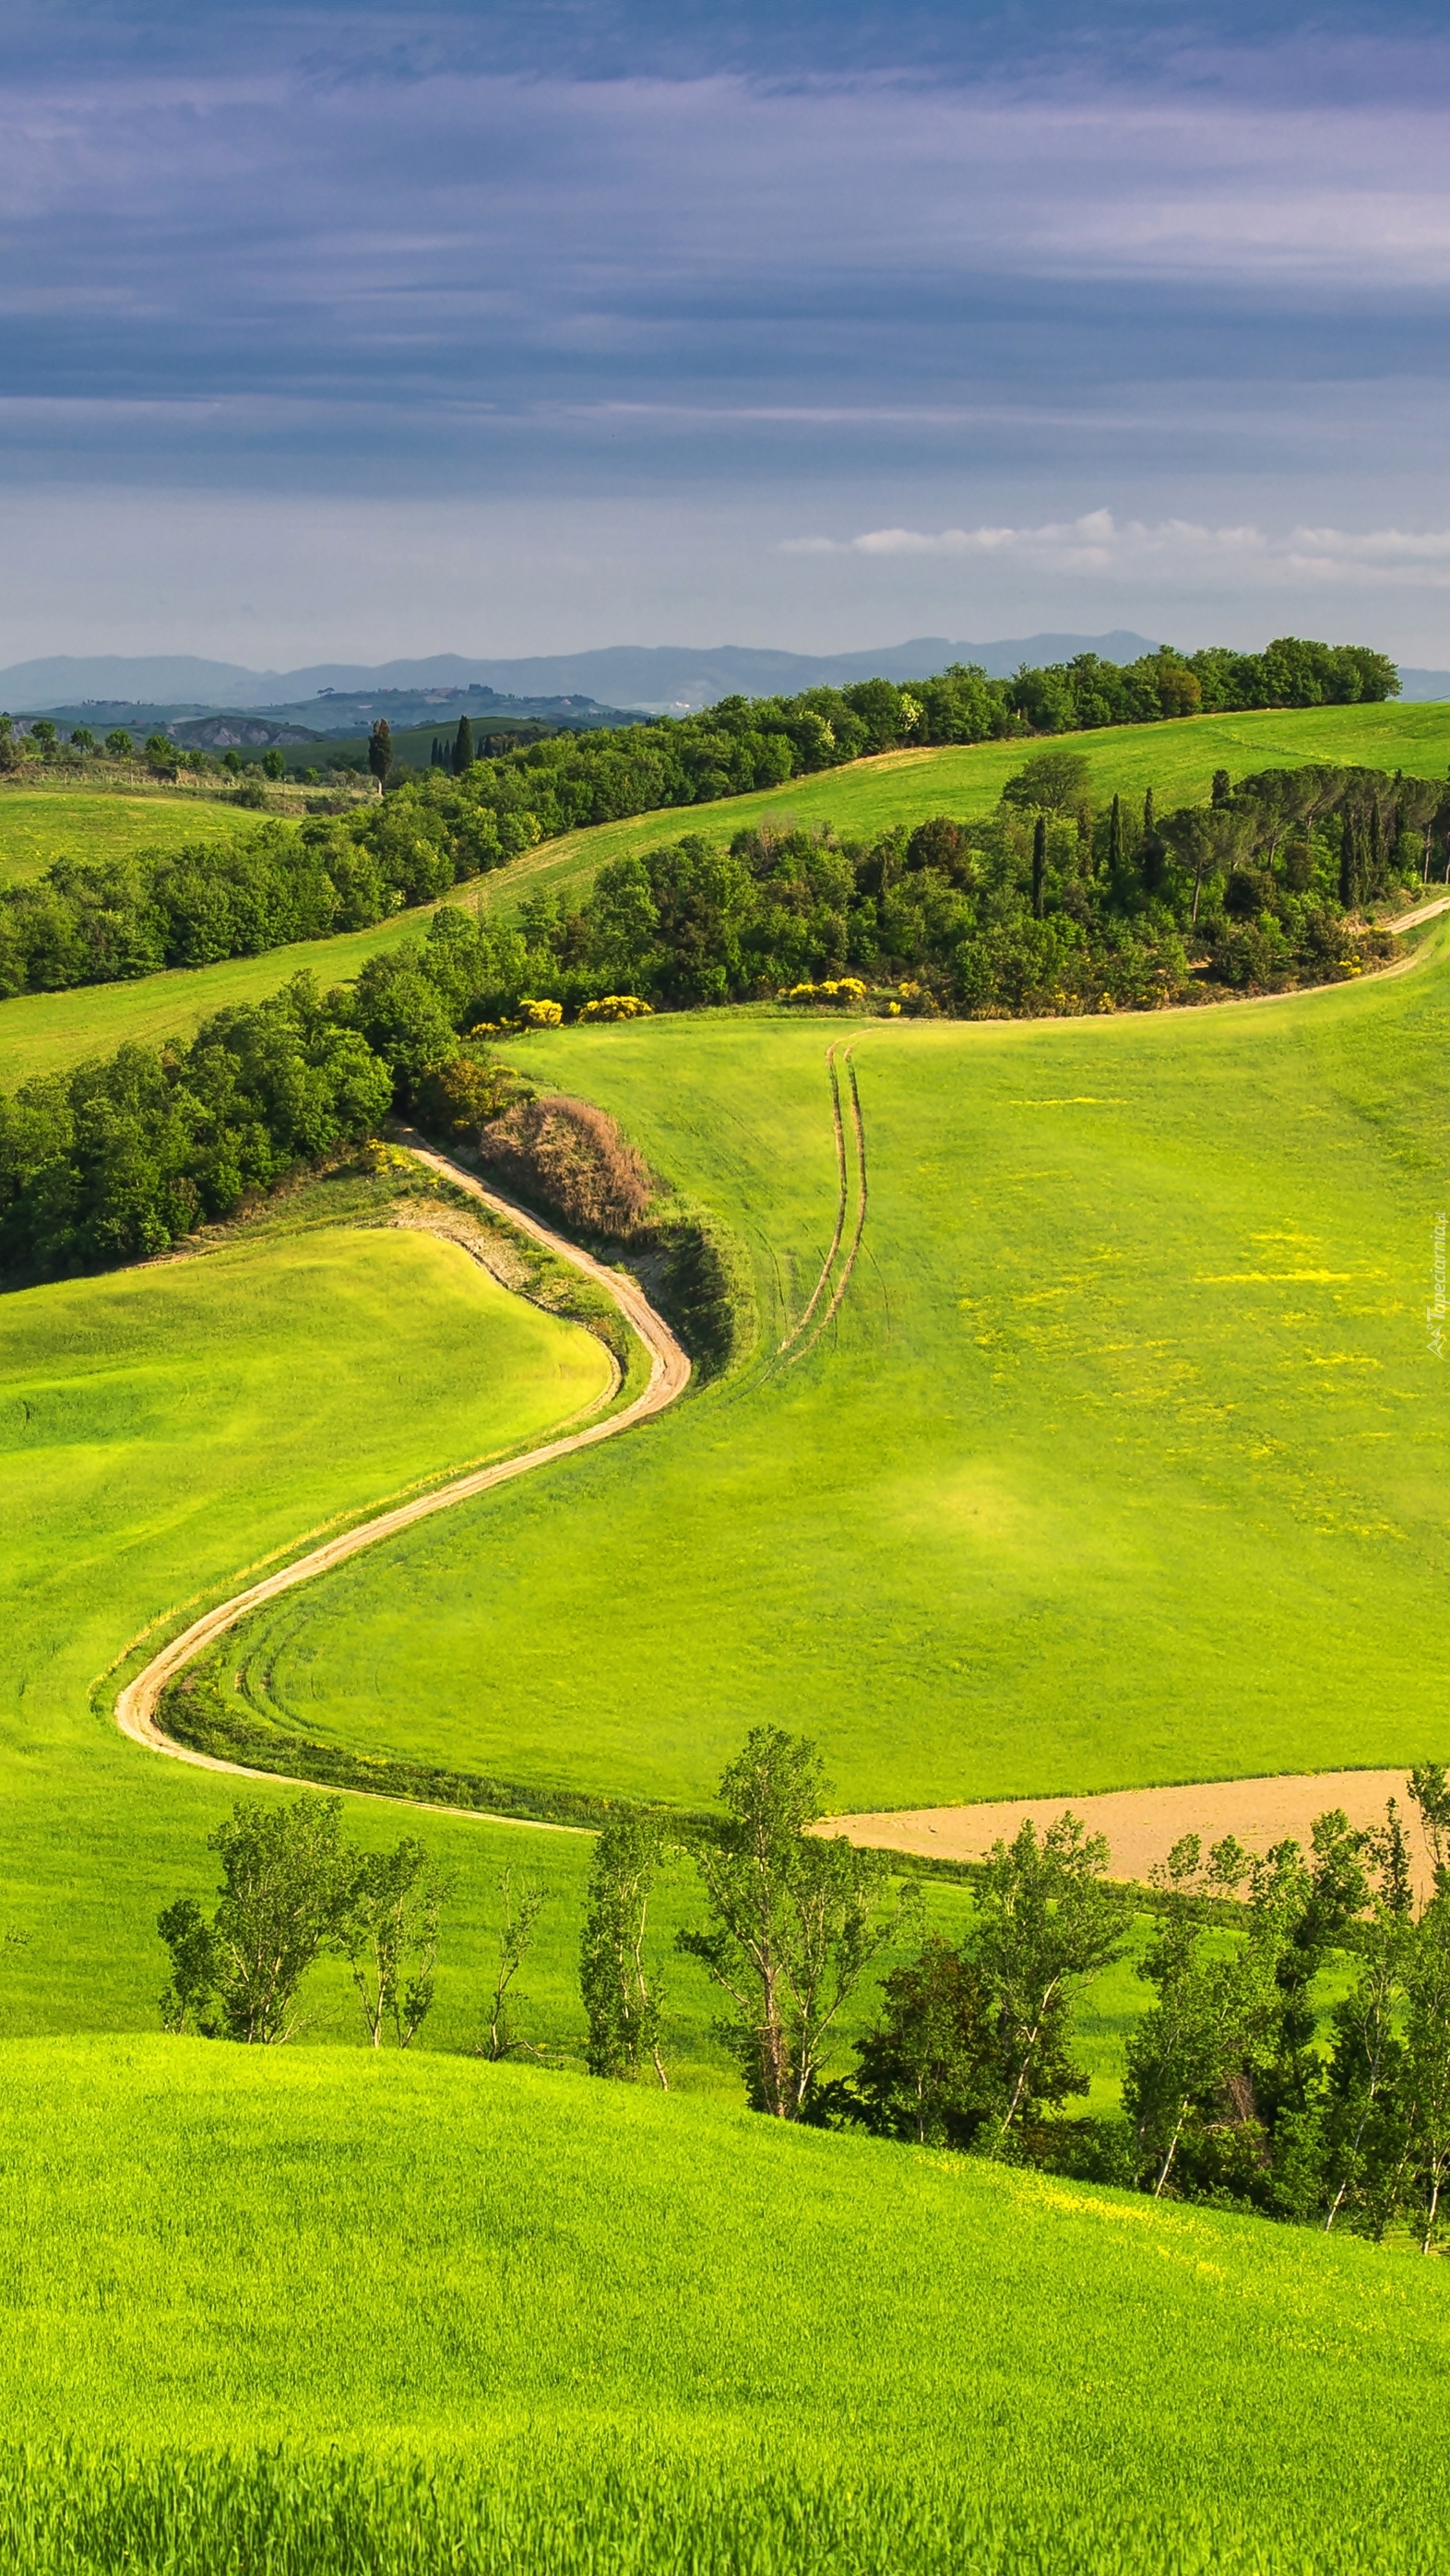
x=164 y=1431
x=41 y=824
x=1176 y=760
x=1125 y=1460
x=614 y=2331
x=42 y=1033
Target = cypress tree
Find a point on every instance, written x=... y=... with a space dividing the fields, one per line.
x=1115 y=839
x=1348 y=862
x=1149 y=825
x=1222 y=787
x=1376 y=851
x=462 y=747
x=1039 y=864
x=380 y=750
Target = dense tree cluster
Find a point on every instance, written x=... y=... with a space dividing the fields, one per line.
x=1048 y=905
x=115 y=1161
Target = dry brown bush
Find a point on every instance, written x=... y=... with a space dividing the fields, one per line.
x=571 y=1157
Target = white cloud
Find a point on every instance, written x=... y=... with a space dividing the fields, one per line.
x=1170 y=549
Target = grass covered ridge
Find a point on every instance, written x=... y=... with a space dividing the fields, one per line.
x=344 y=2260
x=1123 y=1460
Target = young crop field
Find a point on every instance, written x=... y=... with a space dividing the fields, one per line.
x=44 y=1032
x=301 y=2309
x=1123 y=1460
x=40 y=825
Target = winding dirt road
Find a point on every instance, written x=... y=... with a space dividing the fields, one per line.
x=668 y=1378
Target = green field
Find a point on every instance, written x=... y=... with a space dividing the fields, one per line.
x=40 y=825
x=613 y=2331
x=164 y=1431
x=1124 y=1462
x=43 y=1032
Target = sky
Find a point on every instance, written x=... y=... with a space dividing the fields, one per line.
x=342 y=331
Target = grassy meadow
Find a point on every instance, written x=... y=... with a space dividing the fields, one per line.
x=1123 y=1462
x=41 y=824
x=374 y=2313
x=45 y=1032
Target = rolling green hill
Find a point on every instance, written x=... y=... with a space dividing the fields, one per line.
x=294 y=2310
x=1124 y=1460
x=41 y=1033
x=40 y=825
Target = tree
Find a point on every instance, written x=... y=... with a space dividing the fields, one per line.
x=924 y=2068
x=1208 y=839
x=162 y=755
x=273 y=762
x=388 y=1933
x=232 y=763
x=794 y=1918
x=119 y=744
x=623 y=2008
x=462 y=747
x=1055 y=782
x=1364 y=2151
x=1222 y=788
x=1115 y=841
x=1046 y=1923
x=1039 y=864
x=380 y=750
x=1180 y=2053
x=284 y=1884
x=1426 y=2074
x=522 y=1906
x=82 y=738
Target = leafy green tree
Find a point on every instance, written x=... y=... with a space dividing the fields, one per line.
x=232 y=763
x=43 y=732
x=119 y=744
x=387 y=1930
x=621 y=2000
x=1364 y=2148
x=1039 y=864
x=82 y=738
x=462 y=747
x=380 y=750
x=1046 y=1923
x=273 y=762
x=924 y=2071
x=1054 y=782
x=1222 y=789
x=162 y=755
x=523 y=1902
x=284 y=1887
x=795 y=1919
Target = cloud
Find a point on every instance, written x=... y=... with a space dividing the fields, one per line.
x=1099 y=543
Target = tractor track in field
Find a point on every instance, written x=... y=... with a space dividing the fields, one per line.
x=793 y=1348
x=136 y=1705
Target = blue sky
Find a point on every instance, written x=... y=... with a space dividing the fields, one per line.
x=350 y=331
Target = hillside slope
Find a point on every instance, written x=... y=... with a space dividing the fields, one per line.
x=645 y=2332
x=1123 y=1461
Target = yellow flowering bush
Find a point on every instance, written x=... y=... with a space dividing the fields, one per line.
x=540 y=1015
x=615 y=1006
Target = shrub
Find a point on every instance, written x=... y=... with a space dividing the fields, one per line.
x=615 y=1006
x=540 y=1015
x=847 y=992
x=460 y=1096
x=572 y=1158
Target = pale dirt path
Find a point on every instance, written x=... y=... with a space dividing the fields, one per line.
x=1141 y=1825
x=668 y=1378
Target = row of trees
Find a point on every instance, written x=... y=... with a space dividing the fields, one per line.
x=1238 y=2089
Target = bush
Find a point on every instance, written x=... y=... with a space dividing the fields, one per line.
x=572 y=1158
x=614 y=1006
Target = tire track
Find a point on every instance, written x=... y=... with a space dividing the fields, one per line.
x=799 y=1326
x=136 y=1705
x=844 y=1281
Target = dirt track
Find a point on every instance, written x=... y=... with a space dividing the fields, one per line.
x=1142 y=1825
x=669 y=1376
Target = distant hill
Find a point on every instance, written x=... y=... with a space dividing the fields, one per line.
x=673 y=676
x=1418 y=686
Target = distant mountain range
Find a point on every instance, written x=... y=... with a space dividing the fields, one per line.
x=672 y=677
